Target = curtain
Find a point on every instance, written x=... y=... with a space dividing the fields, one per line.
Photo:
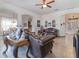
x=6 y=23
x=8 y=19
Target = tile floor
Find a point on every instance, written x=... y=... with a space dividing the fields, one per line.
x=62 y=49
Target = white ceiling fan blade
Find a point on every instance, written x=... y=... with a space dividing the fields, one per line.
x=39 y=4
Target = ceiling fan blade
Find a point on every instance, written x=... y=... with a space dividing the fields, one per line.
x=42 y=7
x=44 y=1
x=49 y=6
x=50 y=2
x=39 y=4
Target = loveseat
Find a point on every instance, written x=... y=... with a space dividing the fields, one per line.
x=49 y=31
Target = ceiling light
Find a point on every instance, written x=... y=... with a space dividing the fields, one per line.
x=44 y=5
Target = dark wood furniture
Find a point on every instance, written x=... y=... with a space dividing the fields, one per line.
x=48 y=31
x=47 y=45
x=41 y=46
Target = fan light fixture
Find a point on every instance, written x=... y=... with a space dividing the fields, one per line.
x=44 y=5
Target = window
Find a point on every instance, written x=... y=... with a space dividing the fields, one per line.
x=38 y=23
x=7 y=23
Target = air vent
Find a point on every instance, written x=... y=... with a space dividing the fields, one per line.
x=56 y=9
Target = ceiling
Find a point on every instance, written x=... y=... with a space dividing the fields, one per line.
x=56 y=6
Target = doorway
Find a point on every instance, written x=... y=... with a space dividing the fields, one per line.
x=72 y=22
x=30 y=24
x=27 y=21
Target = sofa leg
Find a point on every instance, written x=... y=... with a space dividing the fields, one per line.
x=6 y=45
x=28 y=52
x=50 y=51
x=15 y=52
x=4 y=52
x=28 y=56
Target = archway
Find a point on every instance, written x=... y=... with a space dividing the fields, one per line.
x=27 y=21
x=72 y=22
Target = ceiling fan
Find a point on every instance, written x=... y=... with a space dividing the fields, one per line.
x=44 y=4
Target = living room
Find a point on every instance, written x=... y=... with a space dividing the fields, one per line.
x=59 y=18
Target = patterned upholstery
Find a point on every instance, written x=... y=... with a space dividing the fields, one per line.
x=41 y=47
x=49 y=31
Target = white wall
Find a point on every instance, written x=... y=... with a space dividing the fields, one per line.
x=60 y=19
x=58 y=16
x=20 y=11
x=50 y=17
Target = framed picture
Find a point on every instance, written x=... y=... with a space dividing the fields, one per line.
x=53 y=23
x=24 y=21
x=24 y=24
x=49 y=24
x=46 y=23
x=38 y=23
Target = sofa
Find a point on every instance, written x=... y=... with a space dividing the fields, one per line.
x=49 y=31
x=40 y=47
